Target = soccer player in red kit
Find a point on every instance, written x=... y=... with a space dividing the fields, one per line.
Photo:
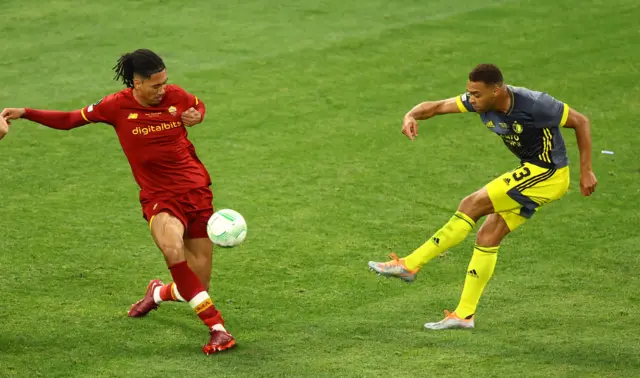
x=150 y=117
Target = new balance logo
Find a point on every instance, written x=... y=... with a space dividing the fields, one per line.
x=473 y=273
x=436 y=241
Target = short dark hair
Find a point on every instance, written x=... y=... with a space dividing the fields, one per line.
x=142 y=62
x=486 y=73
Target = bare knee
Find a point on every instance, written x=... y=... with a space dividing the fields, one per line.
x=493 y=230
x=467 y=204
x=476 y=205
x=487 y=238
x=167 y=232
x=173 y=251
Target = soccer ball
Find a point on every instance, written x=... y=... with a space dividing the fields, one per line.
x=227 y=228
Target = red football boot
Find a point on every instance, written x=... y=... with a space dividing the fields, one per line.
x=219 y=341
x=146 y=304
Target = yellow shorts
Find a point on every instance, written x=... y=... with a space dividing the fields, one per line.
x=518 y=194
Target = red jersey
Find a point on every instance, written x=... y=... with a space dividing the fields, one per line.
x=162 y=159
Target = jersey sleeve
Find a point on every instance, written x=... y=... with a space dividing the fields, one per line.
x=548 y=112
x=190 y=100
x=102 y=111
x=463 y=103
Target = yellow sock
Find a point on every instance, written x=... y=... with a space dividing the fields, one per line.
x=448 y=236
x=479 y=272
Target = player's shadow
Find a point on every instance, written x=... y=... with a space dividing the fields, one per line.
x=188 y=325
x=116 y=337
x=94 y=344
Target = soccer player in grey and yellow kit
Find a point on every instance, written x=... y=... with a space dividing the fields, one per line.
x=529 y=124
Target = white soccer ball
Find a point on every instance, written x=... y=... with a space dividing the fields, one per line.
x=227 y=228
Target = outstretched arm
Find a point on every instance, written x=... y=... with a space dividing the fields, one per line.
x=51 y=118
x=428 y=110
x=582 y=127
x=4 y=127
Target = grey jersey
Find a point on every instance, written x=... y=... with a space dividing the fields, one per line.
x=530 y=128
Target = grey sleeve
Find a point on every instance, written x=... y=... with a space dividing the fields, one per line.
x=548 y=112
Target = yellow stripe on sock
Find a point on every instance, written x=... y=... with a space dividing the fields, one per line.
x=466 y=218
x=487 y=249
x=200 y=302
x=84 y=116
x=203 y=306
x=173 y=295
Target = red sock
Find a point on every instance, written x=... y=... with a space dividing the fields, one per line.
x=193 y=292
x=169 y=292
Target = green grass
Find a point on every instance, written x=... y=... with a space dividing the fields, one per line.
x=303 y=138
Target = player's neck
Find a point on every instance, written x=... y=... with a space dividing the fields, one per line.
x=138 y=99
x=503 y=100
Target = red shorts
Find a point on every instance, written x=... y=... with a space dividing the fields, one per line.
x=193 y=209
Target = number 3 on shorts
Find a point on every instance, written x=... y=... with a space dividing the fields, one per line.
x=521 y=173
